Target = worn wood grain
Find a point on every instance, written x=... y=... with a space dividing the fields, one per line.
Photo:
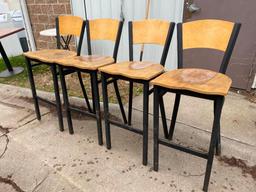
x=196 y=80
x=49 y=55
x=90 y=62
x=134 y=70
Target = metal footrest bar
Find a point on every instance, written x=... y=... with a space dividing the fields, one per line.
x=46 y=101
x=150 y=91
x=37 y=64
x=182 y=148
x=111 y=81
x=71 y=108
x=125 y=126
x=82 y=111
x=67 y=71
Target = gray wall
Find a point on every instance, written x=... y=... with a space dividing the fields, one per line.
x=171 y=10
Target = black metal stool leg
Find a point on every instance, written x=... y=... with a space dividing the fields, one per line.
x=84 y=91
x=33 y=88
x=156 y=129
x=96 y=101
x=130 y=103
x=174 y=115
x=106 y=110
x=145 y=122
x=218 y=143
x=119 y=99
x=162 y=109
x=57 y=97
x=214 y=136
x=5 y=58
x=93 y=97
x=66 y=101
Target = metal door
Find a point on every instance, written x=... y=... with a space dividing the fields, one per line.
x=242 y=65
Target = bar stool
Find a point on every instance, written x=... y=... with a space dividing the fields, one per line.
x=98 y=29
x=47 y=57
x=140 y=32
x=213 y=34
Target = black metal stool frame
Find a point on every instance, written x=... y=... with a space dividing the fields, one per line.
x=55 y=75
x=95 y=113
x=146 y=92
x=159 y=92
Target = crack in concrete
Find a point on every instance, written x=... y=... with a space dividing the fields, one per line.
x=26 y=116
x=6 y=145
x=10 y=182
x=4 y=130
x=30 y=121
x=40 y=183
x=12 y=105
x=193 y=175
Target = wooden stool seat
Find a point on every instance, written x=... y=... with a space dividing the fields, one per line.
x=134 y=70
x=196 y=80
x=89 y=62
x=49 y=55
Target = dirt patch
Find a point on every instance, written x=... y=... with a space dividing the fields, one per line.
x=239 y=163
x=43 y=104
x=249 y=95
x=75 y=114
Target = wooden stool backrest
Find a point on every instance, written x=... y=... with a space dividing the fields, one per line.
x=209 y=33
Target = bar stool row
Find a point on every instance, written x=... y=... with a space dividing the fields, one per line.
x=213 y=34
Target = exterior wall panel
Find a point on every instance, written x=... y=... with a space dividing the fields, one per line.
x=171 y=10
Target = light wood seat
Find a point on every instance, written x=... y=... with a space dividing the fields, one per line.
x=134 y=70
x=89 y=62
x=49 y=55
x=196 y=80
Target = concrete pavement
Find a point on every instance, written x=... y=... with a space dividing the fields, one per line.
x=35 y=156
